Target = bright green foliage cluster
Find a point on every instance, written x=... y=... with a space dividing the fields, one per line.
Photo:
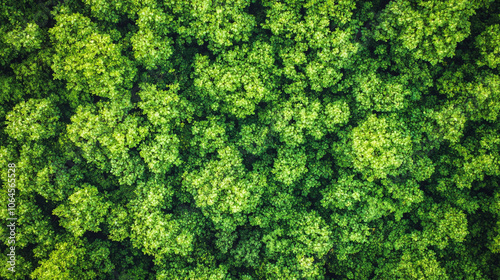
x=251 y=139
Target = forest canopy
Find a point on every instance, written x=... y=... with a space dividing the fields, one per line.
x=250 y=139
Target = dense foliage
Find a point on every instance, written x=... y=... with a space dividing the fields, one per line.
x=251 y=139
